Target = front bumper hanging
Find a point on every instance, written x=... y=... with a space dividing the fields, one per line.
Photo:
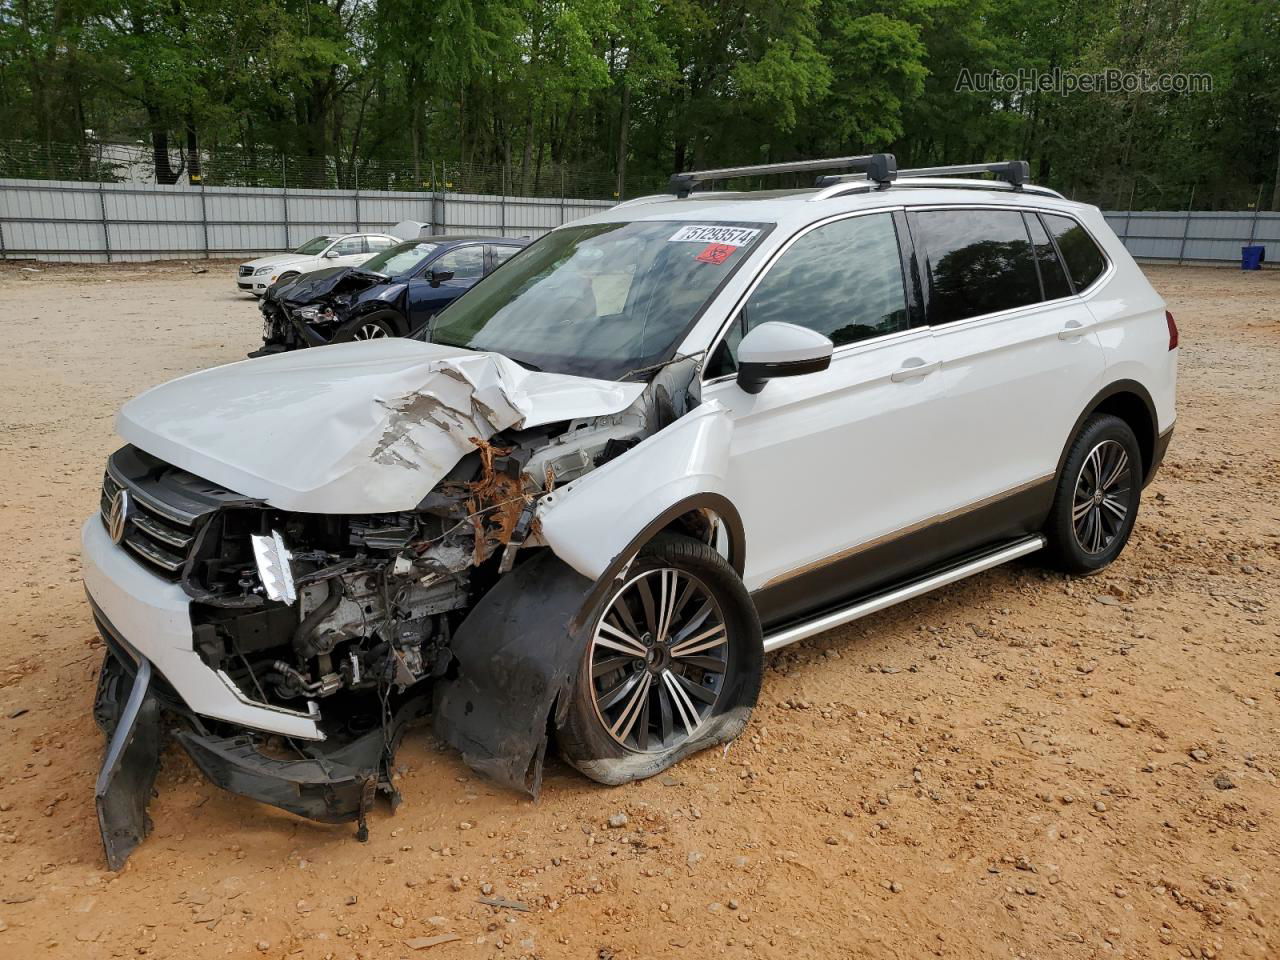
x=129 y=715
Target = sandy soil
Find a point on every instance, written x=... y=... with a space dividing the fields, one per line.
x=1020 y=766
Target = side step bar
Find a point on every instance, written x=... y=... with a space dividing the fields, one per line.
x=908 y=591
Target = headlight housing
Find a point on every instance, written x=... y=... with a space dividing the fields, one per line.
x=316 y=314
x=262 y=271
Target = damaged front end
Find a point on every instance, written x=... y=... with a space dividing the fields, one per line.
x=311 y=310
x=324 y=632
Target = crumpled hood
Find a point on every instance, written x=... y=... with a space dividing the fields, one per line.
x=311 y=286
x=351 y=428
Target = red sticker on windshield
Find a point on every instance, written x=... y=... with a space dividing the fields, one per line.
x=715 y=253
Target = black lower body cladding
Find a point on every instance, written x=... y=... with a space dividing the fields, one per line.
x=518 y=653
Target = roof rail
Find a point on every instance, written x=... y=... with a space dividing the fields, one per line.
x=682 y=184
x=1015 y=172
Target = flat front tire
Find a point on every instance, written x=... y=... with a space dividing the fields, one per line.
x=1096 y=501
x=672 y=665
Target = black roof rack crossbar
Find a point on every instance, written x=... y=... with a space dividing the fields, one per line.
x=1016 y=172
x=682 y=184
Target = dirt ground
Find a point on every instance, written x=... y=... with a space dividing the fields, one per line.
x=1018 y=766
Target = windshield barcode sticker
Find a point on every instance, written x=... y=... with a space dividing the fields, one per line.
x=700 y=233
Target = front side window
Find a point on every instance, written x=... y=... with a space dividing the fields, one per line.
x=978 y=262
x=599 y=300
x=1085 y=262
x=400 y=260
x=314 y=247
x=348 y=246
x=465 y=263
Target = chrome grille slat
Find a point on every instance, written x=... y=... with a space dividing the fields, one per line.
x=165 y=535
x=153 y=554
x=157 y=535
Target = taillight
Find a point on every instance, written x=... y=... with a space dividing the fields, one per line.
x=1173 y=330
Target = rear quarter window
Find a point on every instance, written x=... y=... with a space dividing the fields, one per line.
x=1085 y=262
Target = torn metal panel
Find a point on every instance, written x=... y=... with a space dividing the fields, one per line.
x=517 y=653
x=353 y=428
x=687 y=458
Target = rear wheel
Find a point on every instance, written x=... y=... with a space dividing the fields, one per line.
x=672 y=665
x=1096 y=503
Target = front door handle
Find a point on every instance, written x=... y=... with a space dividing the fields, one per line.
x=1073 y=330
x=913 y=368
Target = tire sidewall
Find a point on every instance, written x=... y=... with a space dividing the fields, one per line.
x=1070 y=555
x=587 y=746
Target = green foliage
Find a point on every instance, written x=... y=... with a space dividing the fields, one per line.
x=388 y=91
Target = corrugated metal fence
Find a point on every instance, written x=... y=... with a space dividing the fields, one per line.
x=1188 y=236
x=97 y=222
x=93 y=222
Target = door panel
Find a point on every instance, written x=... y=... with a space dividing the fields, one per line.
x=823 y=463
x=1012 y=382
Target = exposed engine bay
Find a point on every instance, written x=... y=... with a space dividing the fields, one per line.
x=361 y=621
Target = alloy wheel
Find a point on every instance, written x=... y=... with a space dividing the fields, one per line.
x=1100 y=505
x=370 y=331
x=659 y=659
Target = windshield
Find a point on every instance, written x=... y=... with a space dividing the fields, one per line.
x=598 y=300
x=401 y=259
x=314 y=245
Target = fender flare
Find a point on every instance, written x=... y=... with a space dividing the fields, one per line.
x=1111 y=390
x=598 y=522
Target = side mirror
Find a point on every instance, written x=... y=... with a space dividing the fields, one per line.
x=331 y=255
x=780 y=350
x=440 y=276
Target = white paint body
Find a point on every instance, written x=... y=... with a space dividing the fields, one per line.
x=918 y=423
x=282 y=263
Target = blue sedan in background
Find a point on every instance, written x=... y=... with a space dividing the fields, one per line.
x=390 y=295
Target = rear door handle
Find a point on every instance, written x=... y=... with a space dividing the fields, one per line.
x=1072 y=331
x=912 y=368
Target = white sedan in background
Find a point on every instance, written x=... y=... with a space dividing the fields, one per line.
x=329 y=250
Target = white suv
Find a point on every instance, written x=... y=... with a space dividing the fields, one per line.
x=653 y=446
x=327 y=250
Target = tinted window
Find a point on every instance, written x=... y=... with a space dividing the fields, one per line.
x=1085 y=261
x=979 y=261
x=1052 y=276
x=465 y=263
x=349 y=246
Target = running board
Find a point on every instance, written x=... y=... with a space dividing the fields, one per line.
x=908 y=591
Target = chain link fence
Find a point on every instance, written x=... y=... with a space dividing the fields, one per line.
x=138 y=163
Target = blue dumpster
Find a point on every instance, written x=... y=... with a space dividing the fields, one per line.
x=1251 y=257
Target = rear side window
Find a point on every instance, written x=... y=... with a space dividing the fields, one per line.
x=1052 y=275
x=501 y=254
x=978 y=262
x=379 y=243
x=1085 y=262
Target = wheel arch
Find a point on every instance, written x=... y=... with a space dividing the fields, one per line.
x=1132 y=403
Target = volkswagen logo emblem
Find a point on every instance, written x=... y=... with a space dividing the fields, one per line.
x=119 y=516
